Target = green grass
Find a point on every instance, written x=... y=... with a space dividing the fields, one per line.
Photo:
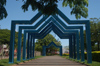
x=94 y=63
x=4 y=62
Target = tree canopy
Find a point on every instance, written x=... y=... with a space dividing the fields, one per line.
x=95 y=33
x=48 y=7
x=5 y=37
x=3 y=12
x=45 y=41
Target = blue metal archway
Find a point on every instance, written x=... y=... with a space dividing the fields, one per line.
x=52 y=43
x=59 y=28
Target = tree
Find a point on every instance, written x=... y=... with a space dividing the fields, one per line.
x=45 y=41
x=5 y=37
x=3 y=12
x=48 y=7
x=95 y=33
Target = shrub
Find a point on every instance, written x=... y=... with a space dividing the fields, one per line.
x=66 y=54
x=95 y=56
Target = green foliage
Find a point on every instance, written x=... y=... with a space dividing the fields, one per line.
x=49 y=7
x=95 y=56
x=94 y=63
x=45 y=6
x=45 y=41
x=3 y=12
x=5 y=62
x=66 y=54
x=5 y=37
x=79 y=8
x=95 y=33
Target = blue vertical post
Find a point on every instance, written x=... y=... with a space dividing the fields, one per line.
x=43 y=51
x=61 y=51
x=88 y=43
x=70 y=47
x=19 y=45
x=24 y=47
x=74 y=47
x=28 y=46
x=33 y=46
x=82 y=44
x=12 y=40
x=77 y=45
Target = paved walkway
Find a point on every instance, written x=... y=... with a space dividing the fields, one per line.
x=51 y=61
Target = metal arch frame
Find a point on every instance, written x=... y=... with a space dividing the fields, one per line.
x=37 y=30
x=33 y=31
x=67 y=27
x=50 y=44
x=86 y=22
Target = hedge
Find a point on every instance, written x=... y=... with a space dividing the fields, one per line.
x=66 y=54
x=95 y=56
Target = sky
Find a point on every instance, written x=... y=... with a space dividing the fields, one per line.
x=15 y=12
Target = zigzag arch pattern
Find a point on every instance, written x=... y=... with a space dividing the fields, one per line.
x=52 y=43
x=59 y=28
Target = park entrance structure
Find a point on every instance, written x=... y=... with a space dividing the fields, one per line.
x=73 y=33
x=52 y=43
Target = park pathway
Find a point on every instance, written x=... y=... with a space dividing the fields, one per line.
x=51 y=61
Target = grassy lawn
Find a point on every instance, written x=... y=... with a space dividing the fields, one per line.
x=94 y=63
x=4 y=62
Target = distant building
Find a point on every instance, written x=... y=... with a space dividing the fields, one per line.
x=65 y=49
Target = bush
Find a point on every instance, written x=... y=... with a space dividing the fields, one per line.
x=95 y=56
x=66 y=54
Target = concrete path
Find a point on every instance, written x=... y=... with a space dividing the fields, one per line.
x=51 y=61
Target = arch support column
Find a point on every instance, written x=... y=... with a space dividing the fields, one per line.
x=88 y=43
x=12 y=42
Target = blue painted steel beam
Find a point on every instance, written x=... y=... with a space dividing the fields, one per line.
x=71 y=21
x=24 y=47
x=28 y=21
x=52 y=43
x=28 y=46
x=70 y=47
x=12 y=39
x=34 y=30
x=74 y=47
x=73 y=27
x=19 y=45
x=64 y=18
x=88 y=37
x=31 y=46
